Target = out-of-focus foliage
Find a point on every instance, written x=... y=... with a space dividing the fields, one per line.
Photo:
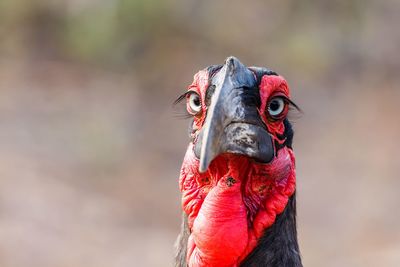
x=314 y=36
x=91 y=149
x=118 y=31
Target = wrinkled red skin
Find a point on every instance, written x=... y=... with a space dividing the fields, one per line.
x=236 y=199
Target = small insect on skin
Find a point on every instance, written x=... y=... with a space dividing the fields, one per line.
x=230 y=181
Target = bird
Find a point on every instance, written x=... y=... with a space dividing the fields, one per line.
x=238 y=177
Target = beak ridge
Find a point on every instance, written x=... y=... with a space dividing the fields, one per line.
x=233 y=124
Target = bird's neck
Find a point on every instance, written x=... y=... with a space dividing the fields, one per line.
x=241 y=198
x=278 y=246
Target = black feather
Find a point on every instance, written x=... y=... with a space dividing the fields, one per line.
x=278 y=246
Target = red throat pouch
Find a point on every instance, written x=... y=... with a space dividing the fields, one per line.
x=231 y=205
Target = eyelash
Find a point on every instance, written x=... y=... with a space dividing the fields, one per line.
x=292 y=105
x=181 y=98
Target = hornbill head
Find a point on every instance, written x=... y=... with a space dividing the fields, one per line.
x=238 y=171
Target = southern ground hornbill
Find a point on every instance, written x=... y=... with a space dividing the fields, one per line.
x=238 y=176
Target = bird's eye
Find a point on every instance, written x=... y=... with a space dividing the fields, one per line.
x=193 y=103
x=276 y=107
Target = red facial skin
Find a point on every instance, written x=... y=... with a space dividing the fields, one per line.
x=236 y=199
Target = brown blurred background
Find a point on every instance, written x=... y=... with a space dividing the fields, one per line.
x=91 y=146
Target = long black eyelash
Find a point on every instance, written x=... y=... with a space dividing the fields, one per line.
x=292 y=104
x=295 y=111
x=186 y=115
x=180 y=98
x=183 y=116
x=181 y=113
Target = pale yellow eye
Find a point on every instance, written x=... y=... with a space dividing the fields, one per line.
x=194 y=103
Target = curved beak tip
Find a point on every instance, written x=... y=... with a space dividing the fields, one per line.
x=202 y=168
x=205 y=160
x=204 y=163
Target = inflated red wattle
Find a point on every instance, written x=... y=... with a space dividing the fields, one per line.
x=220 y=226
x=230 y=206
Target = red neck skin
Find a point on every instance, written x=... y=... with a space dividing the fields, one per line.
x=232 y=203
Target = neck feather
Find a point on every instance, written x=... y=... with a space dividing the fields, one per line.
x=278 y=246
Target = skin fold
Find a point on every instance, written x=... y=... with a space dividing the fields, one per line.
x=228 y=209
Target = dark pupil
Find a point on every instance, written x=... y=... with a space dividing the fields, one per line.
x=274 y=105
x=196 y=101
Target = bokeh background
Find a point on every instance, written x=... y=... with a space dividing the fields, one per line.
x=91 y=146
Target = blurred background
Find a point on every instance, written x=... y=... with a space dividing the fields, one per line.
x=91 y=146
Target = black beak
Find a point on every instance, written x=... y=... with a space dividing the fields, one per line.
x=233 y=124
